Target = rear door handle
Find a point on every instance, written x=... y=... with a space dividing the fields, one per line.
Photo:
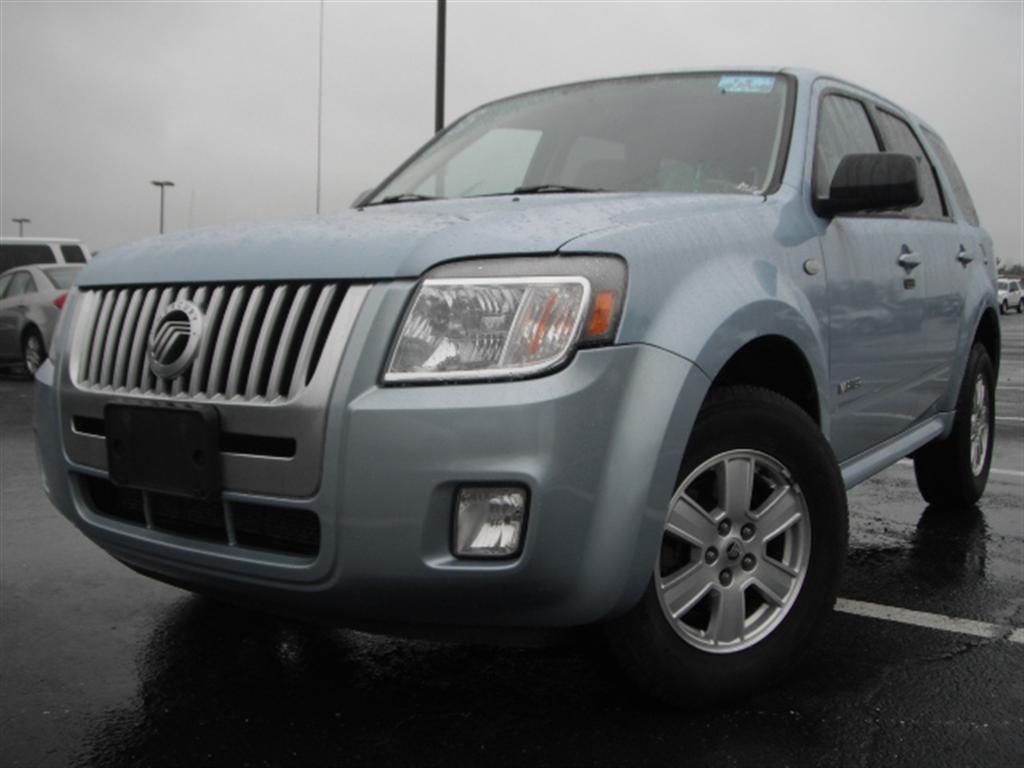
x=964 y=257
x=908 y=259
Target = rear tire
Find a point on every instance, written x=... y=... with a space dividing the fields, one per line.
x=953 y=472
x=33 y=352
x=1004 y=307
x=1020 y=307
x=760 y=496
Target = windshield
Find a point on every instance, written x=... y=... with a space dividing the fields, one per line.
x=667 y=133
x=62 y=277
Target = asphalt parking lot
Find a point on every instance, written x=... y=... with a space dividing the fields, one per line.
x=922 y=664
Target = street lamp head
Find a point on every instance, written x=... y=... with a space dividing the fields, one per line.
x=162 y=183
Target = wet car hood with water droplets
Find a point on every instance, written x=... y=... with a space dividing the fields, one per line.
x=389 y=241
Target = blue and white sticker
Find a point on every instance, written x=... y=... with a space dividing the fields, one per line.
x=746 y=83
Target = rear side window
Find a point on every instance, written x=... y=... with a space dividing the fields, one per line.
x=21 y=283
x=22 y=254
x=843 y=129
x=900 y=138
x=62 y=277
x=73 y=254
x=963 y=197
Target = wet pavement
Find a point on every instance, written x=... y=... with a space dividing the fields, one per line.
x=101 y=666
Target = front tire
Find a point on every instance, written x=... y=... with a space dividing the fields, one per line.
x=33 y=352
x=1004 y=307
x=750 y=558
x=953 y=472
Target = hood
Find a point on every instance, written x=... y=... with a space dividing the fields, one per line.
x=389 y=241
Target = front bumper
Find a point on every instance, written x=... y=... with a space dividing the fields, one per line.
x=598 y=445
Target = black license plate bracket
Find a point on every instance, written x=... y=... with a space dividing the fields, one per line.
x=165 y=448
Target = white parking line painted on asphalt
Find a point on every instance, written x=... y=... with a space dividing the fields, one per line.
x=1010 y=418
x=931 y=620
x=993 y=471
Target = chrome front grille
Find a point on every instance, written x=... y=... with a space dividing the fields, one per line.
x=260 y=342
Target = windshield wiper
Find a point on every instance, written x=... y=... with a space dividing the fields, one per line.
x=540 y=189
x=405 y=197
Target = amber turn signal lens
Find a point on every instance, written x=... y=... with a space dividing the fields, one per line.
x=601 y=319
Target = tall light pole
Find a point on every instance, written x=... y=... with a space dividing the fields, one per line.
x=439 y=91
x=319 y=106
x=21 y=225
x=162 y=185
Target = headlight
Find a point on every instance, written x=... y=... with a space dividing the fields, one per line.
x=505 y=325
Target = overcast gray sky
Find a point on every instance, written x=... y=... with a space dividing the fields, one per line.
x=98 y=98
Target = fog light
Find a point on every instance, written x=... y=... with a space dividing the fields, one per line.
x=489 y=522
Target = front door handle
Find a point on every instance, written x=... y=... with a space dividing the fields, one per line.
x=964 y=257
x=908 y=260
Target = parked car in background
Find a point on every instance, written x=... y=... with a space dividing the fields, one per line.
x=21 y=251
x=606 y=353
x=31 y=300
x=1010 y=295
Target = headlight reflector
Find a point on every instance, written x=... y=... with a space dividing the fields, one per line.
x=485 y=328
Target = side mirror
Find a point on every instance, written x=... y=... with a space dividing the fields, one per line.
x=881 y=181
x=362 y=197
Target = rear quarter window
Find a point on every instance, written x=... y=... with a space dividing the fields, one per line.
x=963 y=197
x=21 y=254
x=899 y=137
x=73 y=254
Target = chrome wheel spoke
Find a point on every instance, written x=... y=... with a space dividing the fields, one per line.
x=774 y=580
x=690 y=523
x=736 y=485
x=681 y=593
x=780 y=512
x=728 y=618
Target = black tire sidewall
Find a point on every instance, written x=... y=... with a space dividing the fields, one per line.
x=32 y=334
x=978 y=363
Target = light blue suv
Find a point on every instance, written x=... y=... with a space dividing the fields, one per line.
x=609 y=353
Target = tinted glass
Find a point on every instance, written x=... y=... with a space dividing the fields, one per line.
x=843 y=129
x=4 y=282
x=73 y=254
x=19 y=255
x=963 y=197
x=691 y=133
x=62 y=277
x=900 y=138
x=21 y=284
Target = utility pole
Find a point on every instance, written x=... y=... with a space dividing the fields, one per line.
x=439 y=92
x=319 y=107
x=162 y=185
x=21 y=225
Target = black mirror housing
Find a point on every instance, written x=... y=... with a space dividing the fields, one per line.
x=880 y=181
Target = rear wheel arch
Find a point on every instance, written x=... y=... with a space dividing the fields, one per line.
x=988 y=335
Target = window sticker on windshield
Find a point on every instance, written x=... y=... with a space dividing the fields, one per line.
x=746 y=84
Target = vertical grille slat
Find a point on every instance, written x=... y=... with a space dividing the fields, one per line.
x=309 y=340
x=148 y=377
x=243 y=345
x=124 y=345
x=135 y=362
x=113 y=340
x=263 y=341
x=199 y=366
x=99 y=339
x=284 y=344
x=259 y=342
x=225 y=339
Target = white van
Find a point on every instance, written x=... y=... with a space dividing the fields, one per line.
x=22 y=251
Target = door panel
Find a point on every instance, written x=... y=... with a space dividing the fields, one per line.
x=878 y=357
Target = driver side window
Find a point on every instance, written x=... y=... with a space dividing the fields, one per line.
x=843 y=129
